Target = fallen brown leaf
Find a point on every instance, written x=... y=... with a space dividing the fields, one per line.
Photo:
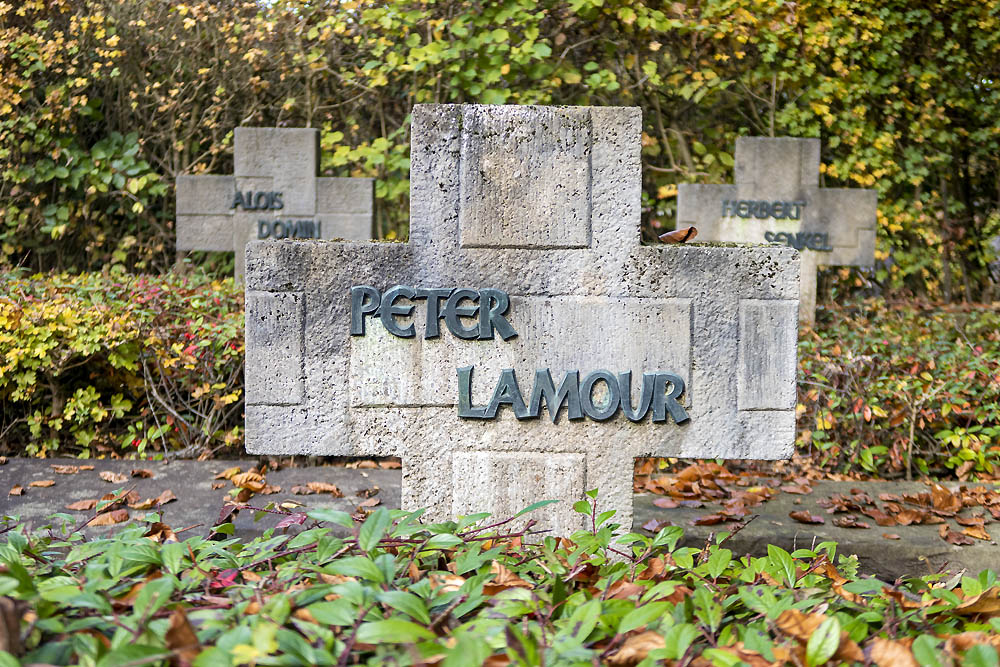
x=42 y=483
x=985 y=604
x=666 y=503
x=944 y=500
x=160 y=533
x=803 y=516
x=251 y=480
x=228 y=473
x=448 y=583
x=891 y=653
x=181 y=639
x=144 y=473
x=881 y=518
x=218 y=485
x=301 y=490
x=64 y=469
x=800 y=489
x=952 y=537
x=16 y=491
x=371 y=502
x=682 y=235
x=636 y=648
x=977 y=532
x=3 y=460
x=113 y=477
x=503 y=579
x=82 y=505
x=801 y=626
x=709 y=520
x=323 y=487
x=390 y=465
x=890 y=536
x=146 y=504
x=165 y=497
x=110 y=518
x=849 y=521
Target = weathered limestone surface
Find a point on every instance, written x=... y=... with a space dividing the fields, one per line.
x=585 y=295
x=270 y=159
x=785 y=169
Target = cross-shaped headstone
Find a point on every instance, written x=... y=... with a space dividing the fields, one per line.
x=527 y=288
x=274 y=193
x=776 y=198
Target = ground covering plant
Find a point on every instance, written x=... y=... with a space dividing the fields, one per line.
x=97 y=364
x=105 y=102
x=387 y=589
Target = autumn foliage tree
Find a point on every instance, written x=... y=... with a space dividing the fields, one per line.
x=103 y=103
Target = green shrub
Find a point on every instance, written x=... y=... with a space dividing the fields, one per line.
x=902 y=388
x=96 y=364
x=395 y=591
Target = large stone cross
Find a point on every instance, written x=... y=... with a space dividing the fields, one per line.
x=523 y=289
x=776 y=198
x=274 y=192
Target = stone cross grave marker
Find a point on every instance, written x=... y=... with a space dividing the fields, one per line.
x=776 y=198
x=523 y=345
x=274 y=193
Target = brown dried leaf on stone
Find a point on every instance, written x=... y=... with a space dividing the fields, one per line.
x=228 y=473
x=655 y=526
x=944 y=500
x=368 y=493
x=110 y=518
x=160 y=533
x=503 y=579
x=251 y=480
x=666 y=503
x=636 y=648
x=371 y=502
x=181 y=639
x=146 y=504
x=165 y=497
x=218 y=485
x=113 y=477
x=42 y=483
x=390 y=464
x=709 y=520
x=367 y=464
x=143 y=473
x=951 y=537
x=301 y=490
x=16 y=491
x=803 y=516
x=682 y=235
x=799 y=489
x=64 y=469
x=881 y=518
x=323 y=487
x=82 y=505
x=849 y=521
x=890 y=536
x=3 y=460
x=270 y=490
x=977 y=532
x=974 y=520
x=243 y=496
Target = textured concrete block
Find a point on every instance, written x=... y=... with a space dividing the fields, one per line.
x=525 y=184
x=611 y=304
x=274 y=373
x=274 y=183
x=776 y=198
x=768 y=338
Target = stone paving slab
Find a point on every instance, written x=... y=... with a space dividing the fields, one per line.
x=191 y=482
x=919 y=551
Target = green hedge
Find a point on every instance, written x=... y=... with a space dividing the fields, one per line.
x=95 y=364
x=902 y=389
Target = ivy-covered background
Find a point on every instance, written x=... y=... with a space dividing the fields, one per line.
x=103 y=103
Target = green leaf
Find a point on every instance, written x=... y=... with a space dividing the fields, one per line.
x=642 y=615
x=925 y=651
x=333 y=516
x=678 y=638
x=337 y=612
x=823 y=643
x=392 y=631
x=7 y=660
x=722 y=658
x=408 y=603
x=373 y=529
x=781 y=562
x=357 y=566
x=534 y=506
x=980 y=655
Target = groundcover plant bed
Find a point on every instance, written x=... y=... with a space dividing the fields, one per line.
x=323 y=587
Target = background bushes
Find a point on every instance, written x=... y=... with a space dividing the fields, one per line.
x=103 y=103
x=96 y=364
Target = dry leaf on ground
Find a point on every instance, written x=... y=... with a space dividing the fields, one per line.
x=849 y=521
x=636 y=648
x=64 y=469
x=82 y=505
x=323 y=487
x=803 y=516
x=144 y=473
x=16 y=491
x=228 y=473
x=181 y=639
x=682 y=235
x=890 y=536
x=891 y=653
x=110 y=518
x=43 y=483
x=113 y=477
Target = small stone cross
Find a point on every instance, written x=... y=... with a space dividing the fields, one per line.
x=776 y=198
x=274 y=192
x=523 y=345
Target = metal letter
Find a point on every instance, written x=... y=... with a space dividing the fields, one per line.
x=465 y=408
x=614 y=395
x=262 y=200
x=493 y=305
x=728 y=208
x=507 y=392
x=276 y=202
x=389 y=308
x=452 y=311
x=743 y=209
x=283 y=234
x=770 y=237
x=645 y=397
x=778 y=210
x=569 y=392
x=823 y=241
x=238 y=200
x=434 y=315
x=263 y=229
x=797 y=213
x=364 y=301
x=664 y=402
